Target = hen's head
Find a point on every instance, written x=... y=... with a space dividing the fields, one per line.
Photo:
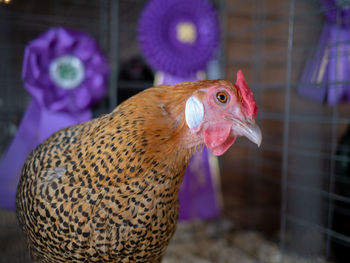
x=220 y=112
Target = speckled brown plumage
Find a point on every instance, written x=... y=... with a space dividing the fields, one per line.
x=106 y=190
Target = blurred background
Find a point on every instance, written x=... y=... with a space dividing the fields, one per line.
x=289 y=200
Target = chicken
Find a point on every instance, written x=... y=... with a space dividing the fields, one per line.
x=107 y=190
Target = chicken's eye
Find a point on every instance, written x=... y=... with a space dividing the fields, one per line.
x=221 y=96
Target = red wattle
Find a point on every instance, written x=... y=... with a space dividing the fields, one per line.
x=218 y=138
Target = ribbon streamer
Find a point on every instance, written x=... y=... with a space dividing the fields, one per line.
x=326 y=74
x=199 y=195
x=65 y=73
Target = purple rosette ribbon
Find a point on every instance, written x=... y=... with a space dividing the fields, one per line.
x=178 y=38
x=65 y=73
x=326 y=74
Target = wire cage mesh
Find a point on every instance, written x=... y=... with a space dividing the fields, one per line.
x=292 y=189
x=291 y=182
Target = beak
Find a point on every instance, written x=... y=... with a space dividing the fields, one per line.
x=248 y=129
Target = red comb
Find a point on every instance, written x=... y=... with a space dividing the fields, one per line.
x=248 y=101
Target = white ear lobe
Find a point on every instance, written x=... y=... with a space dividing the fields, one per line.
x=194 y=112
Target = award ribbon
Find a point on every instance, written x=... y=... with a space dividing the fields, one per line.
x=65 y=72
x=326 y=74
x=178 y=38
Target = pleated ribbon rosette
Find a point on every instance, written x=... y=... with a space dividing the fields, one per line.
x=178 y=38
x=65 y=73
x=326 y=76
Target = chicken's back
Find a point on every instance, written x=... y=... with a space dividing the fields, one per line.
x=97 y=192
